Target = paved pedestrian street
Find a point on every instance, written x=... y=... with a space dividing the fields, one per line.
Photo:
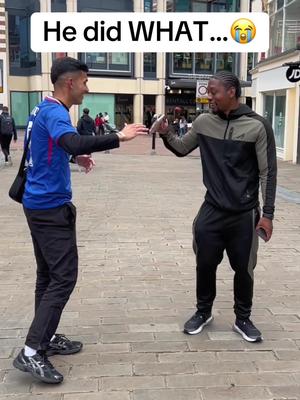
x=136 y=288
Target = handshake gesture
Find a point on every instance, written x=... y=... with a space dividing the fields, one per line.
x=130 y=131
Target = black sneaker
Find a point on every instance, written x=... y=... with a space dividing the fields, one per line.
x=248 y=330
x=63 y=346
x=195 y=324
x=38 y=366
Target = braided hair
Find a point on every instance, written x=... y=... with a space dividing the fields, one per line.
x=229 y=80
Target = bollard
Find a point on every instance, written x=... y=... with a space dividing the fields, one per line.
x=153 y=143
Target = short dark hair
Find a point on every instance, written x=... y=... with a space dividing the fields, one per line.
x=5 y=109
x=86 y=111
x=66 y=64
x=229 y=80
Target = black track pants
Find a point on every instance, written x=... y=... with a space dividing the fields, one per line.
x=215 y=231
x=54 y=241
x=5 y=141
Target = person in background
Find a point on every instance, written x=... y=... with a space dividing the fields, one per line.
x=106 y=118
x=182 y=125
x=7 y=132
x=86 y=124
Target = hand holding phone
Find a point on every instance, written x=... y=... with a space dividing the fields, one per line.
x=262 y=233
x=156 y=124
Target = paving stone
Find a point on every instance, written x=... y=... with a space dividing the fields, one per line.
x=100 y=370
x=98 y=396
x=133 y=382
x=166 y=394
x=197 y=380
x=68 y=386
x=163 y=368
x=286 y=392
x=235 y=393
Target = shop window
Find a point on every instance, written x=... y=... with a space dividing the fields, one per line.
x=99 y=103
x=149 y=65
x=123 y=110
x=274 y=112
x=21 y=105
x=149 y=109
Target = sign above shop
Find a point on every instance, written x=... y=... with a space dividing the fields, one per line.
x=293 y=72
x=201 y=91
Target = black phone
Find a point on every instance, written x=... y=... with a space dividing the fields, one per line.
x=262 y=233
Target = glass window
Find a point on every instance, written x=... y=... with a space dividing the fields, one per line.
x=225 y=61
x=279 y=120
x=203 y=62
x=106 y=6
x=119 y=61
x=108 y=61
x=22 y=103
x=183 y=63
x=150 y=5
x=202 y=5
x=292 y=26
x=58 y=6
x=23 y=61
x=276 y=28
x=280 y=4
x=123 y=110
x=149 y=65
x=274 y=112
x=34 y=99
x=268 y=107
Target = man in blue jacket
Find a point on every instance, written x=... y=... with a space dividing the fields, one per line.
x=50 y=214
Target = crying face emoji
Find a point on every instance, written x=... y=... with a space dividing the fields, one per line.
x=243 y=30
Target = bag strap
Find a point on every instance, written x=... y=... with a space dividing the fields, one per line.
x=23 y=160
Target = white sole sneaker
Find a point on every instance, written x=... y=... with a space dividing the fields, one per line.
x=200 y=328
x=247 y=338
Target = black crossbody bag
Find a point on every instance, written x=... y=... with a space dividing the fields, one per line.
x=17 y=188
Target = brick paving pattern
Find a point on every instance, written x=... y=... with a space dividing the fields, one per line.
x=136 y=288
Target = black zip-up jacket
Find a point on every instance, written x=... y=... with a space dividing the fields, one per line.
x=237 y=152
x=86 y=125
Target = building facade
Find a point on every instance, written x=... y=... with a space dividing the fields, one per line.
x=274 y=96
x=126 y=85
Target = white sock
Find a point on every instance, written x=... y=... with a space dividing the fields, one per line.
x=53 y=337
x=29 y=352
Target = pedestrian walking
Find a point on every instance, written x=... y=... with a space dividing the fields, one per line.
x=86 y=125
x=50 y=214
x=237 y=152
x=7 y=132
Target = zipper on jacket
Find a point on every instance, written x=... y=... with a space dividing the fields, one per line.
x=226 y=129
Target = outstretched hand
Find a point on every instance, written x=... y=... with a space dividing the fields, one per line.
x=86 y=162
x=130 y=131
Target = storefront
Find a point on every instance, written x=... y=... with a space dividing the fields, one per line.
x=277 y=100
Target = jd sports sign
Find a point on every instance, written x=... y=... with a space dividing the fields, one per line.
x=293 y=73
